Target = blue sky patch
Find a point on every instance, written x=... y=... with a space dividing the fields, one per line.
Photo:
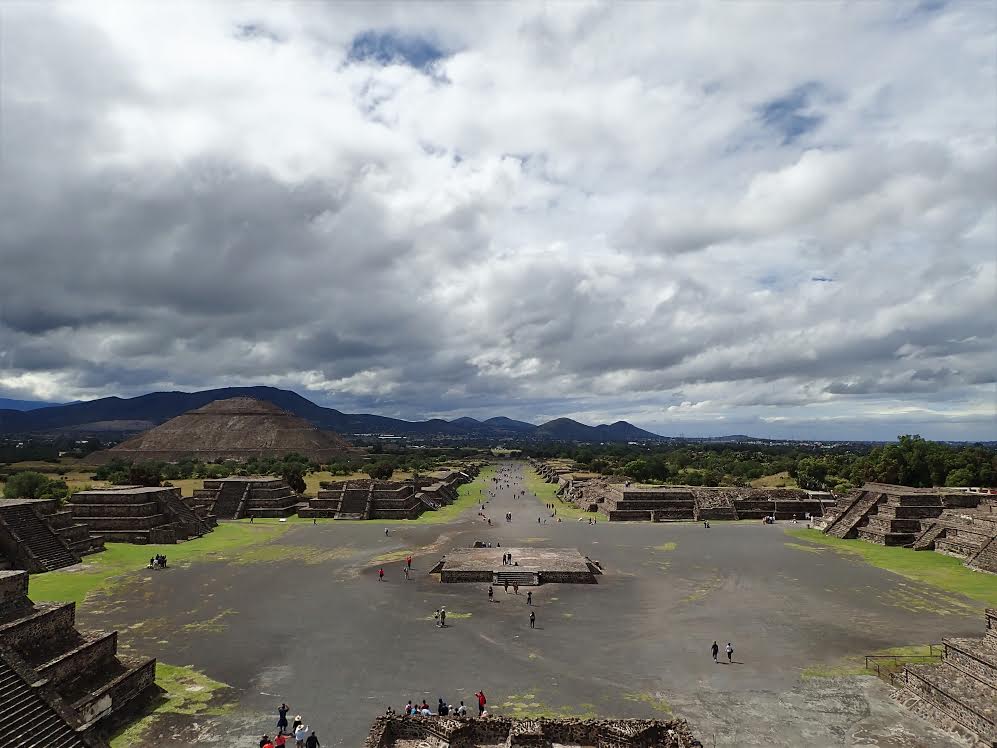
x=392 y=48
x=791 y=115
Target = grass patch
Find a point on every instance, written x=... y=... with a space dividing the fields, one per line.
x=669 y=546
x=527 y=706
x=188 y=692
x=855 y=664
x=654 y=700
x=546 y=494
x=776 y=480
x=941 y=571
x=450 y=614
x=102 y=570
x=213 y=625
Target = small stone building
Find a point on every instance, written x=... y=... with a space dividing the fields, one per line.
x=71 y=686
x=140 y=514
x=239 y=496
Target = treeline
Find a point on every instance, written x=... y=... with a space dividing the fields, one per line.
x=911 y=461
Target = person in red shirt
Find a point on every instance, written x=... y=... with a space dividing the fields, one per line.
x=380 y=575
x=481 y=702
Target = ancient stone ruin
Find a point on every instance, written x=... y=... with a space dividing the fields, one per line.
x=61 y=688
x=238 y=497
x=38 y=536
x=140 y=514
x=495 y=732
x=625 y=501
x=383 y=499
x=957 y=523
x=531 y=566
x=239 y=428
x=960 y=693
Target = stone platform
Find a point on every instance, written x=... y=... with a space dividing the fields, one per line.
x=502 y=732
x=536 y=566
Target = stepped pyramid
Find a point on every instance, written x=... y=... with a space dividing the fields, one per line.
x=239 y=428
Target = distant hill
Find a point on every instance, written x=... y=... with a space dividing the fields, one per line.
x=7 y=404
x=159 y=407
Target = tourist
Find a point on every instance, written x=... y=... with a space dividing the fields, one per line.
x=533 y=620
x=442 y=708
x=491 y=593
x=380 y=575
x=314 y=521
x=481 y=702
x=506 y=585
x=280 y=741
x=299 y=736
x=443 y=617
x=385 y=532
x=296 y=724
x=462 y=710
x=408 y=562
x=515 y=589
x=282 y=710
x=265 y=740
x=730 y=653
x=715 y=649
x=529 y=597
x=312 y=741
x=405 y=571
x=408 y=708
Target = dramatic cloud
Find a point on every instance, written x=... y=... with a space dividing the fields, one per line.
x=711 y=219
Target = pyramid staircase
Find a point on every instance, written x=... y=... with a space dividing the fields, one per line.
x=30 y=540
x=27 y=718
x=960 y=693
x=94 y=686
x=522 y=578
x=846 y=524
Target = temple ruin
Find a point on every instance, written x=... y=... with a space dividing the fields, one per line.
x=960 y=692
x=140 y=514
x=385 y=499
x=496 y=732
x=238 y=497
x=37 y=535
x=628 y=501
x=530 y=567
x=958 y=523
x=61 y=688
x=239 y=428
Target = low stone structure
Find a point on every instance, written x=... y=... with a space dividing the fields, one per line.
x=53 y=676
x=495 y=732
x=240 y=496
x=385 y=499
x=530 y=566
x=960 y=693
x=957 y=523
x=140 y=514
x=38 y=536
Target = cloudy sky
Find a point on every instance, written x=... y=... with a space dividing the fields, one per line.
x=767 y=218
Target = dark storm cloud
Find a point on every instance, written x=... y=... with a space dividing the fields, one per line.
x=440 y=210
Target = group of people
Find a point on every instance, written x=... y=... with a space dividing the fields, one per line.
x=157 y=562
x=303 y=736
x=443 y=708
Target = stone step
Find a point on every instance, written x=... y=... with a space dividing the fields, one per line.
x=522 y=578
x=961 y=696
x=46 y=547
x=974 y=656
x=27 y=720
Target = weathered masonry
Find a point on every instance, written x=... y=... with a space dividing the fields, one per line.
x=60 y=687
x=140 y=514
x=38 y=536
x=238 y=497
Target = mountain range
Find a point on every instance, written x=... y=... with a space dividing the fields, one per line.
x=115 y=414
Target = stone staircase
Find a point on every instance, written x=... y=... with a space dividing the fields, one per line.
x=38 y=547
x=960 y=693
x=94 y=685
x=926 y=540
x=522 y=578
x=847 y=522
x=27 y=719
x=184 y=518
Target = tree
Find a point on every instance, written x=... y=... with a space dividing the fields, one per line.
x=27 y=485
x=811 y=474
x=145 y=474
x=294 y=475
x=379 y=470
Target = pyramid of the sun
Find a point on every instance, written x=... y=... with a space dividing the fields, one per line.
x=236 y=429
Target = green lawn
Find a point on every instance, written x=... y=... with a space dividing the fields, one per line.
x=936 y=569
x=546 y=493
x=102 y=569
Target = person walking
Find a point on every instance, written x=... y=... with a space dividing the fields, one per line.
x=443 y=617
x=529 y=597
x=533 y=620
x=300 y=735
x=405 y=571
x=282 y=711
x=715 y=649
x=408 y=562
x=312 y=741
x=380 y=575
x=730 y=653
x=491 y=592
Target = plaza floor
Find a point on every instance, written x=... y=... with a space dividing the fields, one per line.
x=310 y=624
